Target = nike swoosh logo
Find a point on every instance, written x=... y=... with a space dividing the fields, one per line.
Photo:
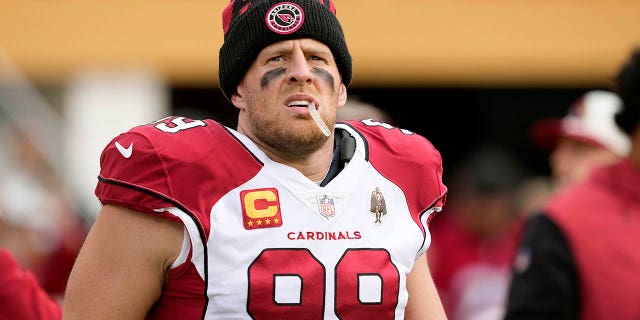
x=125 y=152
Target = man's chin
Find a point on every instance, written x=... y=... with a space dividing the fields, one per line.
x=304 y=141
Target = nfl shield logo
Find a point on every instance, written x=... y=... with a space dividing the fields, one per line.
x=327 y=209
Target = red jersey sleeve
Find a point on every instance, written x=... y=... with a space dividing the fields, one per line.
x=173 y=162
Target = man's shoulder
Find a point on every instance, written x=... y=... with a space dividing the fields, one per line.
x=175 y=128
x=168 y=142
x=171 y=136
x=407 y=159
x=381 y=136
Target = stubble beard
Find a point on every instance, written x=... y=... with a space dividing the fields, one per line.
x=292 y=141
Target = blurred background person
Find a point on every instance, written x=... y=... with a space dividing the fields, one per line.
x=473 y=274
x=586 y=138
x=39 y=223
x=579 y=258
x=21 y=296
x=474 y=239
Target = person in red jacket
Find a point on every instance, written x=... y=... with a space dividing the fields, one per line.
x=21 y=296
x=579 y=258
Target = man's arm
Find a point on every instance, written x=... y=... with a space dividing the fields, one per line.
x=424 y=302
x=544 y=280
x=120 y=269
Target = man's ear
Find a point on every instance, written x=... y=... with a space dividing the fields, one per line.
x=238 y=100
x=342 y=97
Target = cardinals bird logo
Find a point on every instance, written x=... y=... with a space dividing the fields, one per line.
x=285 y=18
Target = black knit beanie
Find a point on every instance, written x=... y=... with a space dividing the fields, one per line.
x=627 y=86
x=250 y=26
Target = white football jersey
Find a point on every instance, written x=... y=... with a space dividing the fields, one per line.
x=265 y=242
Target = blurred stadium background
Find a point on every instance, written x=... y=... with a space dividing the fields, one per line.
x=461 y=72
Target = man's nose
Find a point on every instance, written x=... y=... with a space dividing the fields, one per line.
x=299 y=69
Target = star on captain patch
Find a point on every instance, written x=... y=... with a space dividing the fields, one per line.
x=326 y=206
x=378 y=206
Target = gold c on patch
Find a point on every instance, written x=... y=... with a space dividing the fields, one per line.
x=260 y=208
